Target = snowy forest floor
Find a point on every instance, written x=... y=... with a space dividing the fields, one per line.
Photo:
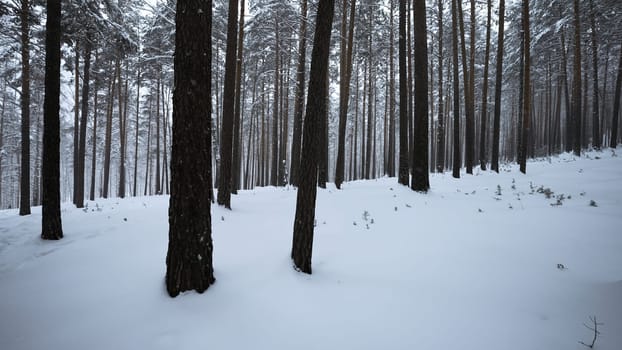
x=473 y=264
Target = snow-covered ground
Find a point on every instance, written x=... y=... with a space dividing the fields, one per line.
x=473 y=264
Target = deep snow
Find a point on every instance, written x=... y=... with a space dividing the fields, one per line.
x=465 y=266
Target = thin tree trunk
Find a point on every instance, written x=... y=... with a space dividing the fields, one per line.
x=391 y=153
x=108 y=141
x=498 y=84
x=299 y=102
x=596 y=142
x=613 y=141
x=24 y=201
x=526 y=87
x=94 y=135
x=76 y=123
x=237 y=125
x=576 y=82
x=484 y=120
x=403 y=176
x=456 y=95
x=440 y=145
x=85 y=111
x=137 y=128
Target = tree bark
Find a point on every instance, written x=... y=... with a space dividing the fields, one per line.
x=596 y=142
x=420 y=173
x=457 y=158
x=24 y=201
x=440 y=131
x=403 y=175
x=94 y=135
x=302 y=245
x=576 y=82
x=275 y=115
x=498 y=84
x=85 y=112
x=237 y=126
x=228 y=101
x=76 y=121
x=526 y=87
x=483 y=158
x=300 y=91
x=189 y=256
x=613 y=141
x=51 y=217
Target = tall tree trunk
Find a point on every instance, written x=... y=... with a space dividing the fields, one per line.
x=94 y=135
x=569 y=123
x=498 y=84
x=420 y=174
x=391 y=153
x=344 y=92
x=457 y=157
x=108 y=142
x=76 y=122
x=85 y=112
x=148 y=157
x=613 y=141
x=526 y=87
x=189 y=257
x=136 y=126
x=440 y=131
x=275 y=116
x=370 y=110
x=122 y=128
x=158 y=190
x=576 y=82
x=483 y=158
x=469 y=126
x=299 y=102
x=403 y=175
x=228 y=101
x=285 y=126
x=51 y=227
x=302 y=245
x=596 y=142
x=237 y=125
x=24 y=201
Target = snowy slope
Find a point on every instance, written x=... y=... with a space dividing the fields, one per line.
x=465 y=266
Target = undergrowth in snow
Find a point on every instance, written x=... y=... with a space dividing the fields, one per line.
x=488 y=261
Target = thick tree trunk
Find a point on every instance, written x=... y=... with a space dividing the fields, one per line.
x=596 y=142
x=24 y=201
x=498 y=84
x=420 y=173
x=189 y=256
x=391 y=152
x=51 y=217
x=302 y=245
x=228 y=101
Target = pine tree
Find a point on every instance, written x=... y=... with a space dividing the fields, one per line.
x=24 y=202
x=50 y=176
x=498 y=84
x=189 y=257
x=420 y=171
x=403 y=172
x=526 y=106
x=302 y=245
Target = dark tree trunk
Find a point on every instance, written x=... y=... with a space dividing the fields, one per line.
x=498 y=84
x=391 y=152
x=526 y=88
x=51 y=218
x=596 y=142
x=237 y=125
x=135 y=191
x=85 y=111
x=576 y=82
x=228 y=101
x=108 y=142
x=569 y=123
x=420 y=178
x=613 y=142
x=483 y=157
x=122 y=132
x=24 y=200
x=94 y=137
x=469 y=127
x=302 y=245
x=189 y=257
x=344 y=96
x=300 y=91
x=403 y=175
x=275 y=116
x=440 y=131
x=456 y=132
x=76 y=122
x=158 y=190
